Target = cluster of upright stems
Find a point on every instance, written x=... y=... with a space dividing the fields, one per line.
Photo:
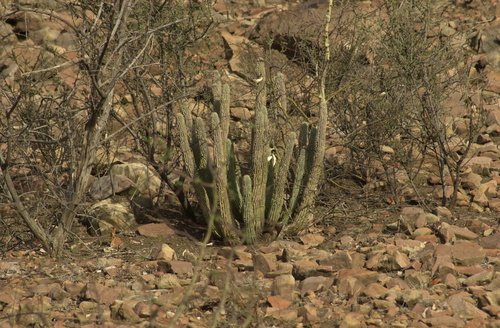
x=241 y=206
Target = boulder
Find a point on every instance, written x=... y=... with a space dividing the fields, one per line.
x=143 y=176
x=111 y=213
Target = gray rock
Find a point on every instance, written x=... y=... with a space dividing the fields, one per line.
x=110 y=185
x=112 y=213
x=144 y=177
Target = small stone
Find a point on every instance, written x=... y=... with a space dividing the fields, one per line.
x=155 y=230
x=100 y=293
x=166 y=253
x=180 y=268
x=284 y=286
x=350 y=287
x=314 y=284
x=339 y=260
x=353 y=320
x=443 y=212
x=264 y=262
x=375 y=290
x=491 y=242
x=167 y=281
x=347 y=241
x=126 y=311
x=450 y=280
x=444 y=321
x=421 y=232
x=467 y=253
x=279 y=303
x=311 y=240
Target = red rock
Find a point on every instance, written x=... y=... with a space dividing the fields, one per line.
x=469 y=271
x=450 y=280
x=428 y=239
x=350 y=287
x=443 y=266
x=264 y=262
x=491 y=242
x=467 y=253
x=479 y=279
x=451 y=232
x=314 y=284
x=311 y=240
x=339 y=260
x=463 y=304
x=306 y=268
x=445 y=321
x=477 y=322
x=279 y=303
x=364 y=276
x=286 y=314
x=463 y=252
x=375 y=290
x=100 y=293
x=480 y=165
x=155 y=230
x=182 y=268
x=145 y=310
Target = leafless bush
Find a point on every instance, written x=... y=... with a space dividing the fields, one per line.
x=54 y=127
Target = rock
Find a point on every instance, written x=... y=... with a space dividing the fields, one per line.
x=409 y=246
x=465 y=253
x=100 y=293
x=413 y=218
x=350 y=287
x=108 y=186
x=112 y=213
x=417 y=279
x=166 y=253
x=339 y=260
x=353 y=320
x=315 y=284
x=167 y=281
x=279 y=303
x=312 y=240
x=44 y=35
x=144 y=177
x=375 y=290
x=421 y=232
x=346 y=242
x=480 y=198
x=480 y=165
x=155 y=230
x=126 y=311
x=180 y=268
x=451 y=233
x=364 y=276
x=491 y=241
x=6 y=34
x=471 y=181
x=443 y=212
x=444 y=321
x=284 y=287
x=264 y=262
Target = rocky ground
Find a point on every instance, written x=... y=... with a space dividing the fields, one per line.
x=386 y=267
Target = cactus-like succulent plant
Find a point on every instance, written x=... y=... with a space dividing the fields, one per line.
x=241 y=206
